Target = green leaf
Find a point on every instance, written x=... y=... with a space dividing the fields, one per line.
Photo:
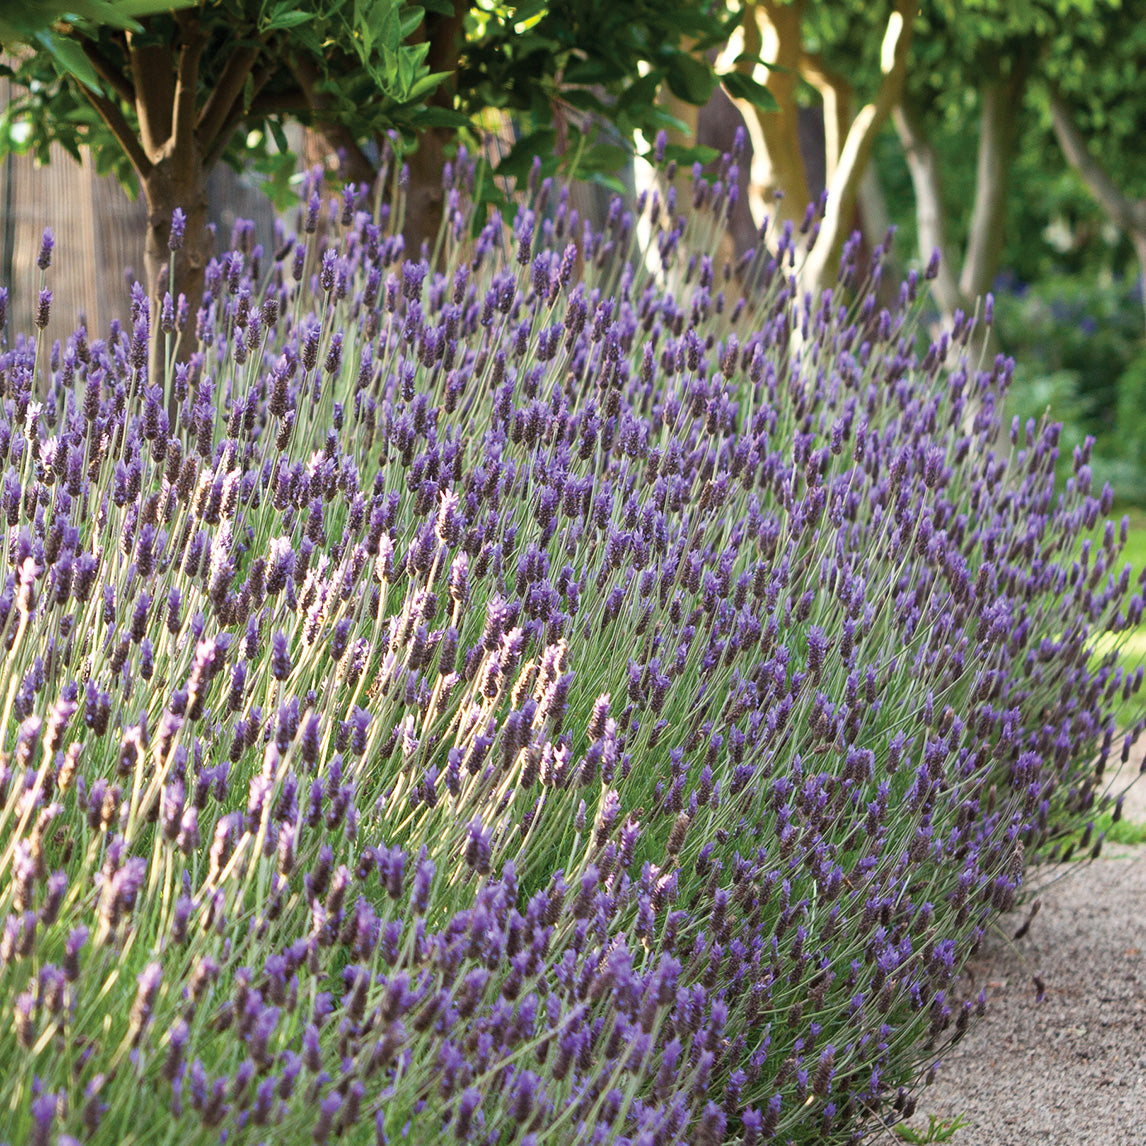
x=279 y=136
x=285 y=18
x=70 y=57
x=36 y=16
x=607 y=180
x=748 y=58
x=592 y=71
x=133 y=9
x=405 y=74
x=689 y=79
x=653 y=119
x=520 y=157
x=687 y=156
x=740 y=86
x=583 y=100
x=439 y=117
x=410 y=20
x=426 y=84
x=641 y=92
x=389 y=28
x=605 y=157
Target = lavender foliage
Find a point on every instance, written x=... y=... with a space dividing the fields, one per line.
x=582 y=694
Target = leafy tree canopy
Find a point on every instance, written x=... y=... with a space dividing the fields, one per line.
x=367 y=67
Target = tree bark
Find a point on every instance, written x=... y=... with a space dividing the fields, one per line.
x=998 y=128
x=930 y=215
x=819 y=269
x=772 y=32
x=1128 y=214
x=167 y=181
x=425 y=198
x=154 y=92
x=178 y=144
x=165 y=188
x=836 y=93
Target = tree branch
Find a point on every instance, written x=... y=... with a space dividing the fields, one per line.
x=119 y=127
x=1128 y=214
x=836 y=93
x=228 y=92
x=151 y=68
x=219 y=143
x=108 y=72
x=181 y=145
x=819 y=270
x=923 y=166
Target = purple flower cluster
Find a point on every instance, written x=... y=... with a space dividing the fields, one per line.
x=581 y=693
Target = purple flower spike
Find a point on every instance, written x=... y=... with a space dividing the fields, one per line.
x=47 y=243
x=280 y=656
x=469 y=1102
x=178 y=227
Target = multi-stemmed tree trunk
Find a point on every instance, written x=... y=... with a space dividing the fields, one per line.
x=772 y=31
x=181 y=137
x=856 y=147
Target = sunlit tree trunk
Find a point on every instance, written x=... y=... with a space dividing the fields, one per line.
x=772 y=31
x=930 y=215
x=819 y=270
x=959 y=286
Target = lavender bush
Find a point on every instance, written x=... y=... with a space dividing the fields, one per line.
x=585 y=695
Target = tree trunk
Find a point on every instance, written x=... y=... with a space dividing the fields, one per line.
x=819 y=269
x=874 y=223
x=836 y=93
x=930 y=216
x=998 y=128
x=166 y=187
x=425 y=198
x=772 y=31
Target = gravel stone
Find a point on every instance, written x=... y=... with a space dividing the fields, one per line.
x=1069 y=1070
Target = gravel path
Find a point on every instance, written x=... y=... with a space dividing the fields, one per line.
x=1070 y=1070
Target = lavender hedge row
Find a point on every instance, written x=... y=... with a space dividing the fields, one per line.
x=589 y=694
